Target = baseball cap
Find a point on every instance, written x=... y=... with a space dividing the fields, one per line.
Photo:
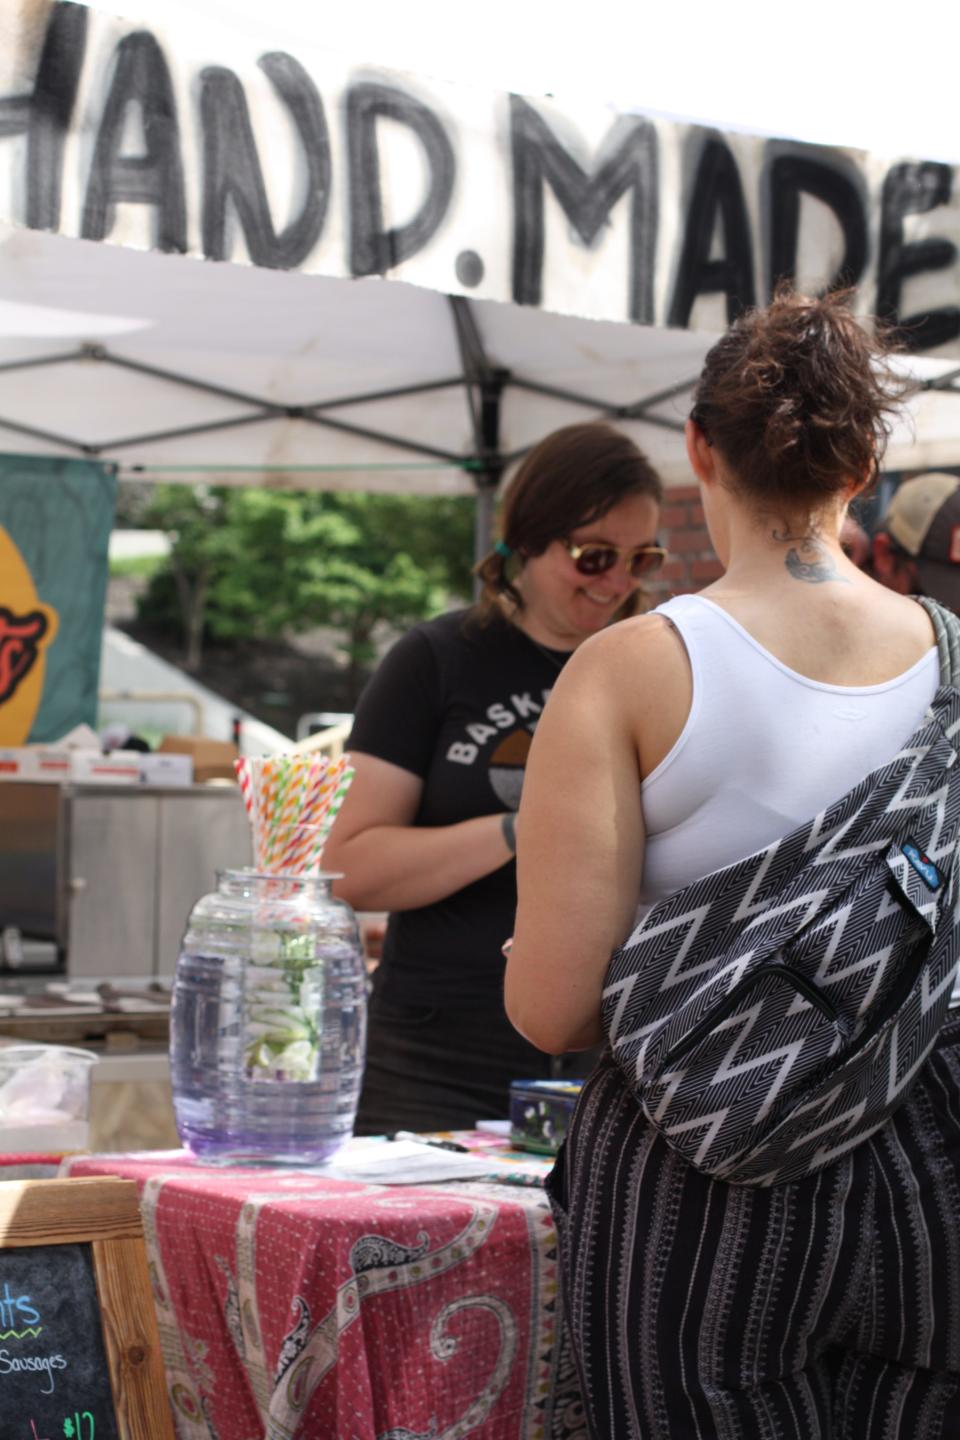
x=923 y=518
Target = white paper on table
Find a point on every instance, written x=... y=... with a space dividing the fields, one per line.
x=403 y=1162
x=494 y=1127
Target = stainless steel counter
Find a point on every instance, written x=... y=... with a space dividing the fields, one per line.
x=107 y=874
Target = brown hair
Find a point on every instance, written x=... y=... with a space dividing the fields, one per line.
x=571 y=478
x=798 y=399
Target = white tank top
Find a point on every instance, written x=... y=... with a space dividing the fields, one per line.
x=763 y=749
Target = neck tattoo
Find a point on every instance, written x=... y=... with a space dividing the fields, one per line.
x=812 y=563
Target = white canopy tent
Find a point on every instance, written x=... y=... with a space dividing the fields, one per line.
x=232 y=375
x=297 y=365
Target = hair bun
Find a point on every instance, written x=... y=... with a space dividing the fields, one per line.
x=799 y=398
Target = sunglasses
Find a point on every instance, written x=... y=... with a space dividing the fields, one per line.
x=598 y=559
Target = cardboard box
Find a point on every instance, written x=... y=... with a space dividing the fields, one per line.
x=212 y=759
x=51 y=762
x=166 y=769
x=37 y=762
x=15 y=764
x=120 y=767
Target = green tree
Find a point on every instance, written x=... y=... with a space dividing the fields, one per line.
x=256 y=563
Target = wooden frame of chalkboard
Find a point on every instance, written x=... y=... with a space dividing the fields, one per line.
x=97 y=1221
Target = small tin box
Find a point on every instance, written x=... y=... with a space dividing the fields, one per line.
x=540 y=1112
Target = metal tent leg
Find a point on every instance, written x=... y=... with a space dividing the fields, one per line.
x=482 y=528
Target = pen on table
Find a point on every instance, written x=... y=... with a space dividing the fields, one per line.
x=422 y=1140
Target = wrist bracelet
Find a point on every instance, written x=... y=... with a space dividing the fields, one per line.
x=508 y=828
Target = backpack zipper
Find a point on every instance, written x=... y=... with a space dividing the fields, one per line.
x=798 y=982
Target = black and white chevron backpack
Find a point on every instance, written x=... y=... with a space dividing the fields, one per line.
x=772 y=1015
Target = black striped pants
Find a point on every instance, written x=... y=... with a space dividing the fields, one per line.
x=825 y=1308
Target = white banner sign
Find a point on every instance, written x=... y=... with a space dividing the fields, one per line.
x=306 y=162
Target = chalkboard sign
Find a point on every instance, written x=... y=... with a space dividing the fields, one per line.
x=54 y=1380
x=79 y=1347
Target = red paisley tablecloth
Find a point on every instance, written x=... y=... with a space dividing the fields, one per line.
x=295 y=1306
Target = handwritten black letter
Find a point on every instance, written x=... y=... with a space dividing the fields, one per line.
x=140 y=77
x=627 y=161
x=789 y=177
x=716 y=191
x=913 y=189
x=373 y=250
x=232 y=171
x=45 y=115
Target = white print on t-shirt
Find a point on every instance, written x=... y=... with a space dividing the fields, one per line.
x=462 y=752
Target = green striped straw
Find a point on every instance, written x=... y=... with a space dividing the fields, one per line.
x=284 y=779
x=326 y=821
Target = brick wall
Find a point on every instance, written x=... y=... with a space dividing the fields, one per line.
x=692 y=563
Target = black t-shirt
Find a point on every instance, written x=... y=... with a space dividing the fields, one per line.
x=456 y=703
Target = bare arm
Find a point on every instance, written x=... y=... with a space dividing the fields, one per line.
x=580 y=852
x=388 y=863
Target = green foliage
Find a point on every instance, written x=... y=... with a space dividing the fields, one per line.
x=258 y=563
x=139 y=566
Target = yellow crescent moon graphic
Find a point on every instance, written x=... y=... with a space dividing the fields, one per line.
x=18 y=596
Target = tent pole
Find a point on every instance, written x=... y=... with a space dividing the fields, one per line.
x=484 y=384
x=482 y=528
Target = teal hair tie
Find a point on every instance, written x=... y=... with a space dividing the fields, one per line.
x=503 y=549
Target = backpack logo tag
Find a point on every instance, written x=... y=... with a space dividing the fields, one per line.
x=922 y=864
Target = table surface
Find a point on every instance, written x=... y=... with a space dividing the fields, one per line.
x=297 y=1307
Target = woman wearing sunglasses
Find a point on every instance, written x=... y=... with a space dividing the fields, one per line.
x=439 y=746
x=676 y=746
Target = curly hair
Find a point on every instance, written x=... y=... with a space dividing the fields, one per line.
x=571 y=478
x=799 y=399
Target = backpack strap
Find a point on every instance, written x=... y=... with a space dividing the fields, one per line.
x=946 y=627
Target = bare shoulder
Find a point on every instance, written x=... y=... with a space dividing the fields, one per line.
x=899 y=616
x=637 y=675
x=646 y=639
